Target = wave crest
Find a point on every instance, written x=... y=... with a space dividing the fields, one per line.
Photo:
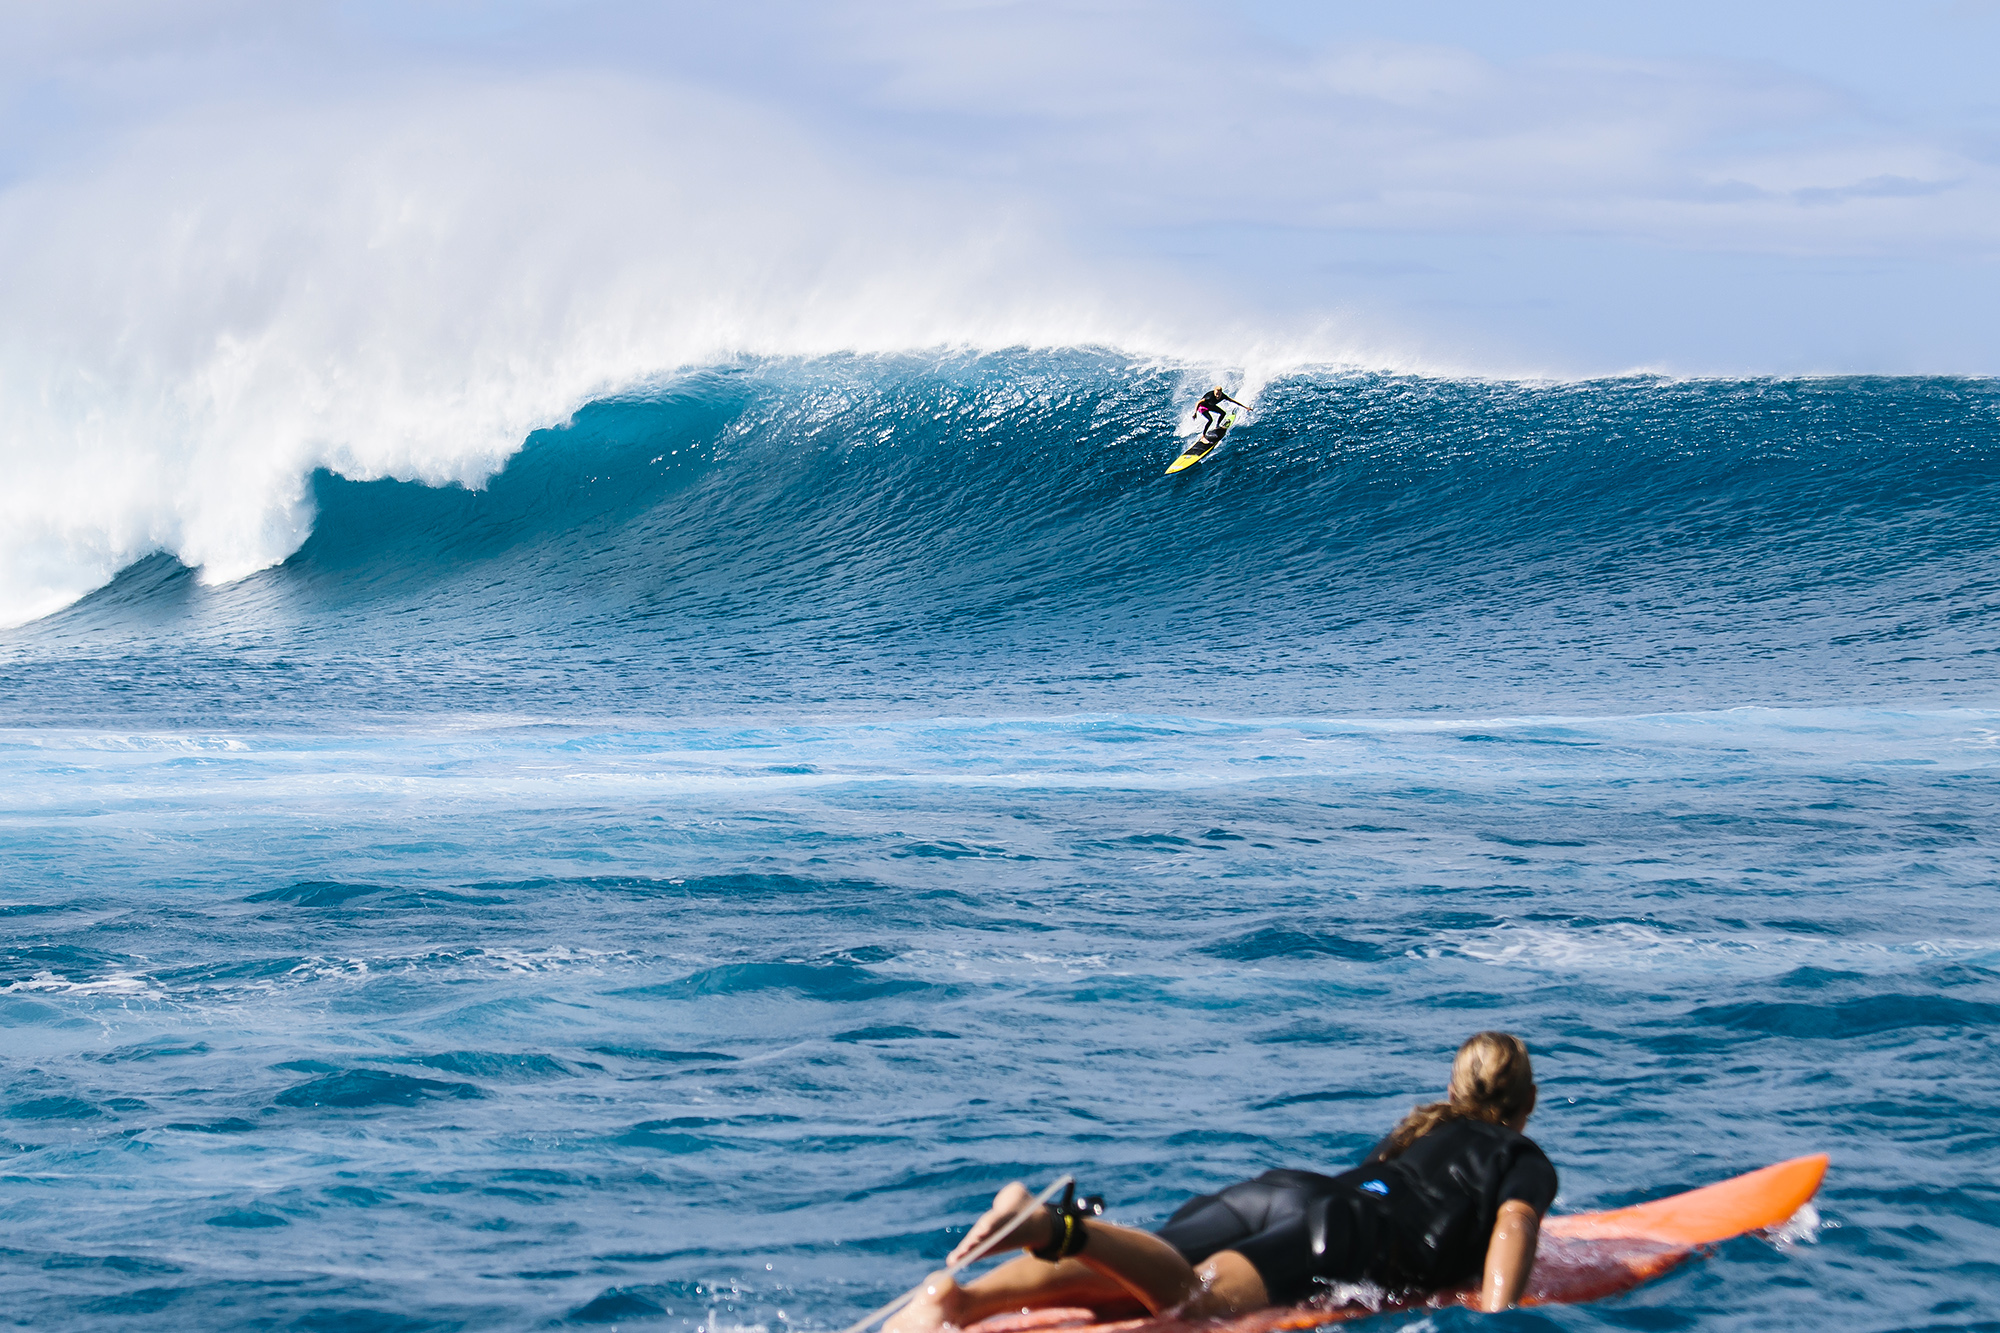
x=409 y=287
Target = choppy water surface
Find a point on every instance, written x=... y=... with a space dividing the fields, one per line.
x=673 y=889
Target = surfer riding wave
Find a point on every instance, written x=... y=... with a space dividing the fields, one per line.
x=1455 y=1193
x=1209 y=409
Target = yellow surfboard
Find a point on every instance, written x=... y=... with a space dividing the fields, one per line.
x=1203 y=445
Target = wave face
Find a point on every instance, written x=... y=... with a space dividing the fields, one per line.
x=994 y=532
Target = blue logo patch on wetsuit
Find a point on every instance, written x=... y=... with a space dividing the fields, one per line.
x=1375 y=1187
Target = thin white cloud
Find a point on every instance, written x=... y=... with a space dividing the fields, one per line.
x=1164 y=118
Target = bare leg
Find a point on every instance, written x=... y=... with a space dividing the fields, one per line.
x=1025 y=1283
x=1119 y=1264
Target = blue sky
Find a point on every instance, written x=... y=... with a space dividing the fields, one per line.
x=1563 y=187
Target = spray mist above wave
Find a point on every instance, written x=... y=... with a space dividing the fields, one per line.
x=197 y=321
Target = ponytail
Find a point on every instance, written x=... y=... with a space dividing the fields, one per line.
x=1491 y=1080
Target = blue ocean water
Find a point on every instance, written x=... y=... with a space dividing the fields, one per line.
x=675 y=885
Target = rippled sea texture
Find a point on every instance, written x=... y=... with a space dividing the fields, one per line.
x=674 y=886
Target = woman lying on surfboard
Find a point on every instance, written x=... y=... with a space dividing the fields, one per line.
x=1455 y=1194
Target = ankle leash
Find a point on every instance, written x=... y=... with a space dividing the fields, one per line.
x=1068 y=1215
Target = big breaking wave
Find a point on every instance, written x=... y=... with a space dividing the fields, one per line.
x=825 y=532
x=408 y=287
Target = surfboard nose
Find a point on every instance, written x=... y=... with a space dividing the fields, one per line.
x=1749 y=1202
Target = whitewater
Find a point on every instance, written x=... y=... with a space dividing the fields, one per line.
x=663 y=854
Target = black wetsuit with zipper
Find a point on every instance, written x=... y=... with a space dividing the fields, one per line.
x=1418 y=1222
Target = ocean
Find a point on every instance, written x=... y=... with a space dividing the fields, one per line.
x=675 y=884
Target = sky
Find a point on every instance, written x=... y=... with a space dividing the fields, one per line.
x=1560 y=188
x=240 y=241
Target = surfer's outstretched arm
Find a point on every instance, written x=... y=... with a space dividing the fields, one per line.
x=1117 y=1264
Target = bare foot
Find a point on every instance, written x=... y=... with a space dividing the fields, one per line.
x=999 y=1228
x=935 y=1307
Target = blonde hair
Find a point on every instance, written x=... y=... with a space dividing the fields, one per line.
x=1491 y=1080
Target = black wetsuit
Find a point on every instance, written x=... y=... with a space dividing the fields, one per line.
x=1211 y=402
x=1418 y=1223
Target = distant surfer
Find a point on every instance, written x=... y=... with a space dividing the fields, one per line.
x=1211 y=406
x=1454 y=1194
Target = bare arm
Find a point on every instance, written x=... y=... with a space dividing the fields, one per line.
x=1510 y=1256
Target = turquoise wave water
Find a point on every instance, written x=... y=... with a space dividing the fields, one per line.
x=675 y=884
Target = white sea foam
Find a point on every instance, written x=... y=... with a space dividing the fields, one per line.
x=1339 y=1295
x=149 y=776
x=1801 y=1228
x=120 y=984
x=1630 y=947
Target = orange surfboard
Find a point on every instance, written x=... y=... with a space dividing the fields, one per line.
x=1581 y=1257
